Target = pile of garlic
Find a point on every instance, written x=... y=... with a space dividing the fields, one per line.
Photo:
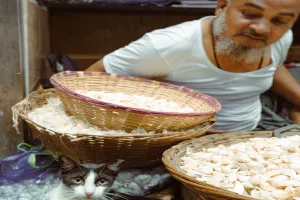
x=137 y=101
x=53 y=117
x=262 y=168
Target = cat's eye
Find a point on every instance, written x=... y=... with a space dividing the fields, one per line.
x=77 y=180
x=102 y=181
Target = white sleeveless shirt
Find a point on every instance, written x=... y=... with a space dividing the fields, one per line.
x=177 y=54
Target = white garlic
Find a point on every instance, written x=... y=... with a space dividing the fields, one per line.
x=281 y=194
x=279 y=182
x=238 y=188
x=254 y=165
x=260 y=168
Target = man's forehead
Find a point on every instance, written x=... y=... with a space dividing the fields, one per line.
x=286 y=5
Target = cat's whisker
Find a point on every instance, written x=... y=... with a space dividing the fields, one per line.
x=117 y=195
x=103 y=198
x=103 y=167
x=68 y=195
x=107 y=198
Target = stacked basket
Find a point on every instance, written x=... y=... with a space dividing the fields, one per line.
x=147 y=148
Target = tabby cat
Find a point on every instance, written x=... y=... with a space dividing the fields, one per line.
x=88 y=181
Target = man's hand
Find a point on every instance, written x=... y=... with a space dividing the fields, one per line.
x=295 y=115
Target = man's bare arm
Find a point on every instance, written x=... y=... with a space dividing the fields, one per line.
x=286 y=86
x=97 y=66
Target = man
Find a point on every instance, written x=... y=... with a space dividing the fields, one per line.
x=233 y=57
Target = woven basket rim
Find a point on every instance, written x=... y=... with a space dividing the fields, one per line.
x=210 y=123
x=211 y=101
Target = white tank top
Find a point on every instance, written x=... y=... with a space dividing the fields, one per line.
x=177 y=54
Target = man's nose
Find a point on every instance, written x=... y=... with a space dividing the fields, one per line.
x=261 y=26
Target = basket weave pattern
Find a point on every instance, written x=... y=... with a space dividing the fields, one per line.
x=111 y=116
x=138 y=150
x=172 y=161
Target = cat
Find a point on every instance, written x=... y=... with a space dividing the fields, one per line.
x=141 y=182
x=89 y=181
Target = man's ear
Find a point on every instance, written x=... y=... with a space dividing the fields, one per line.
x=220 y=7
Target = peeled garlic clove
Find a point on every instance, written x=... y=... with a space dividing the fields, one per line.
x=218 y=176
x=238 y=188
x=189 y=163
x=243 y=158
x=243 y=178
x=281 y=194
x=266 y=186
x=216 y=159
x=255 y=180
x=226 y=162
x=254 y=165
x=247 y=184
x=214 y=182
x=277 y=161
x=244 y=173
x=293 y=183
x=205 y=170
x=202 y=156
x=227 y=186
x=232 y=177
x=296 y=192
x=226 y=169
x=202 y=179
x=259 y=158
x=259 y=194
x=279 y=182
x=270 y=154
x=294 y=167
x=287 y=172
x=272 y=167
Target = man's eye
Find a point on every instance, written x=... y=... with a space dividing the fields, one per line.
x=278 y=21
x=77 y=180
x=250 y=15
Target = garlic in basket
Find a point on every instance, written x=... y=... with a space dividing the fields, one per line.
x=54 y=117
x=263 y=168
x=137 y=101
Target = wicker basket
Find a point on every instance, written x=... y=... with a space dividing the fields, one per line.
x=139 y=150
x=111 y=116
x=172 y=160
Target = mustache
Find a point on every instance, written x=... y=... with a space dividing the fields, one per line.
x=253 y=33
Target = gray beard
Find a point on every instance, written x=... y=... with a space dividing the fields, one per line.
x=226 y=45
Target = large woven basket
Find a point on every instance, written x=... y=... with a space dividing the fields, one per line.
x=138 y=150
x=111 y=116
x=172 y=161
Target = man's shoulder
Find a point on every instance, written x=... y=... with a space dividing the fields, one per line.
x=286 y=40
x=185 y=32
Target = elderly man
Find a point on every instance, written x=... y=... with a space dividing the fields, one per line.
x=234 y=57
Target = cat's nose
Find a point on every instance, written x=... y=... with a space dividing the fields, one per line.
x=89 y=194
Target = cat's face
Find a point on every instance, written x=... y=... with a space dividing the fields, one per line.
x=87 y=181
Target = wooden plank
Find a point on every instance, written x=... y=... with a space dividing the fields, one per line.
x=11 y=78
x=100 y=33
x=38 y=43
x=294 y=54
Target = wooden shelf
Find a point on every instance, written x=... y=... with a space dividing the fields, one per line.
x=130 y=8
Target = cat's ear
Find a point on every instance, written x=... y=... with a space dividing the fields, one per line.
x=66 y=163
x=116 y=166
